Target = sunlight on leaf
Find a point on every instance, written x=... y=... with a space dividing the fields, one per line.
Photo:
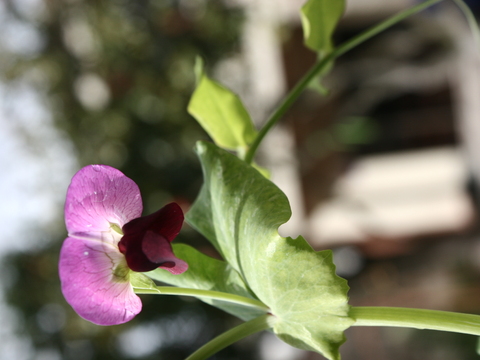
x=140 y=281
x=207 y=273
x=239 y=211
x=222 y=115
x=319 y=20
x=264 y=171
x=198 y=69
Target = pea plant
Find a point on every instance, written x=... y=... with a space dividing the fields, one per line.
x=271 y=282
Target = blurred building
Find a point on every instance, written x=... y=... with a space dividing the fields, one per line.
x=387 y=152
x=385 y=169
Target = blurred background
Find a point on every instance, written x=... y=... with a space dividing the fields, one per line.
x=384 y=170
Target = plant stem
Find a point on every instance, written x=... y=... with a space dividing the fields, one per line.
x=216 y=295
x=472 y=22
x=416 y=318
x=322 y=64
x=263 y=322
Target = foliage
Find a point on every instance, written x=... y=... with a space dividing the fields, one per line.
x=222 y=115
x=273 y=282
x=143 y=53
x=319 y=20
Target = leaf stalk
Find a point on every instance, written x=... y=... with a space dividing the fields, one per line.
x=216 y=295
x=417 y=319
x=263 y=322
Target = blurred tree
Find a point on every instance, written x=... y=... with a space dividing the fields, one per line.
x=117 y=76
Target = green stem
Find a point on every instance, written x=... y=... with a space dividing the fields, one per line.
x=472 y=22
x=263 y=322
x=216 y=295
x=416 y=318
x=322 y=64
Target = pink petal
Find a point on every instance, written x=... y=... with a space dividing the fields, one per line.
x=99 y=195
x=90 y=286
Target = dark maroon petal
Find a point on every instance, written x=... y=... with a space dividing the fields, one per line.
x=131 y=247
x=151 y=252
x=167 y=222
x=159 y=251
x=155 y=247
x=146 y=241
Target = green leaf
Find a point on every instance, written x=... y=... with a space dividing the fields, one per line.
x=264 y=171
x=206 y=273
x=302 y=290
x=222 y=115
x=240 y=211
x=317 y=86
x=356 y=130
x=140 y=281
x=319 y=20
x=198 y=69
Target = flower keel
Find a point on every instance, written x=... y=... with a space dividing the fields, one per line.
x=146 y=241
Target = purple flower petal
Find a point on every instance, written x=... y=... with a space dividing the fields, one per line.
x=93 y=269
x=98 y=196
x=146 y=241
x=95 y=282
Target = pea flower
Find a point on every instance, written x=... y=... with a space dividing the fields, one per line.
x=107 y=239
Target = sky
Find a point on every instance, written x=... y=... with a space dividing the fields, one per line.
x=36 y=162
